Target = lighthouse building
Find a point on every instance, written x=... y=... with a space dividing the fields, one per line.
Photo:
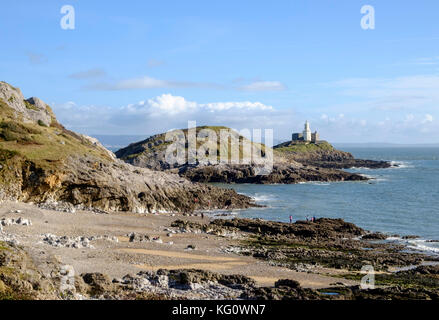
x=306 y=135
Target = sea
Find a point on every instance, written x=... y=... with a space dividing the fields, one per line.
x=399 y=201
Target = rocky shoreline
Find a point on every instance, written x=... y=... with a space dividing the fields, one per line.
x=306 y=246
x=328 y=250
x=281 y=174
x=350 y=163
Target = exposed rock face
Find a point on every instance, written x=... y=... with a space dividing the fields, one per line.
x=281 y=173
x=323 y=228
x=326 y=242
x=20 y=279
x=431 y=270
x=41 y=161
x=349 y=163
x=151 y=153
x=375 y=236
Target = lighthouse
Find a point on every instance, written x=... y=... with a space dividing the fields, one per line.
x=306 y=135
x=307 y=132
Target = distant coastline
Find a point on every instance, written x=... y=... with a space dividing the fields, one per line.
x=385 y=145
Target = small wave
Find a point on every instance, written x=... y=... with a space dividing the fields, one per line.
x=416 y=244
x=401 y=164
x=374 y=178
x=315 y=183
x=421 y=245
x=262 y=197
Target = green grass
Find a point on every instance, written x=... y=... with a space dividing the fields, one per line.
x=7 y=154
x=41 y=123
x=15 y=131
x=221 y=152
x=30 y=106
x=6 y=111
x=302 y=147
x=45 y=146
x=3 y=245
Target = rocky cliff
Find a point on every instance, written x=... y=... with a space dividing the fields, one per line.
x=41 y=161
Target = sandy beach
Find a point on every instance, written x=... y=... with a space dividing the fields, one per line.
x=113 y=254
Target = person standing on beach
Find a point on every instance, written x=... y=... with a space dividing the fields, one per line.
x=291 y=219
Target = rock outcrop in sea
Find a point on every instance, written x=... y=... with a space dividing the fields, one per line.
x=289 y=165
x=323 y=155
x=43 y=162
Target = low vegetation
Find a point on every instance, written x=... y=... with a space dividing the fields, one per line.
x=39 y=143
x=303 y=147
x=158 y=144
x=30 y=106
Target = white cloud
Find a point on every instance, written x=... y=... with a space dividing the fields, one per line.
x=152 y=63
x=88 y=74
x=426 y=61
x=147 y=82
x=161 y=113
x=220 y=106
x=409 y=118
x=401 y=93
x=138 y=83
x=264 y=86
x=36 y=58
x=428 y=118
x=167 y=111
x=170 y=105
x=400 y=109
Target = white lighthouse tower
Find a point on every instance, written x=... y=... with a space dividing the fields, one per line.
x=307 y=132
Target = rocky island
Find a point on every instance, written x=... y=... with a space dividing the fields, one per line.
x=292 y=162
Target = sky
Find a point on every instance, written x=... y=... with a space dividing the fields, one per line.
x=144 y=67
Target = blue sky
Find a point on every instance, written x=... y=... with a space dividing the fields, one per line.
x=142 y=67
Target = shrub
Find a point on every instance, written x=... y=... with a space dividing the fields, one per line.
x=41 y=123
x=14 y=131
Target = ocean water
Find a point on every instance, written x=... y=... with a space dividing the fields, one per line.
x=402 y=200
